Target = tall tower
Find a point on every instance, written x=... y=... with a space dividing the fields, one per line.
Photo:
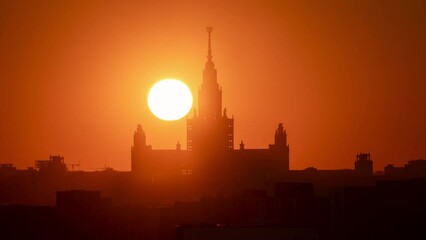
x=210 y=93
x=280 y=150
x=210 y=129
x=364 y=164
x=139 y=149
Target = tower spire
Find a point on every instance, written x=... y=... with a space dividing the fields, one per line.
x=209 y=30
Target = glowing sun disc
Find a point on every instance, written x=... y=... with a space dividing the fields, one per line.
x=170 y=99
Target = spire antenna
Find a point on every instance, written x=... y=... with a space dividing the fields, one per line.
x=209 y=30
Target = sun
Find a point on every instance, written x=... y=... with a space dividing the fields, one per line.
x=170 y=99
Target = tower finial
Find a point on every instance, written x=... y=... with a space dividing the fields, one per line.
x=209 y=30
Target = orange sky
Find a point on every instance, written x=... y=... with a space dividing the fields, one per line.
x=343 y=76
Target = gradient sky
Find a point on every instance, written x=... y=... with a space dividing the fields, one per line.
x=343 y=76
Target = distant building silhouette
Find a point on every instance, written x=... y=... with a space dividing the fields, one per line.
x=363 y=164
x=210 y=144
x=54 y=164
x=414 y=168
x=7 y=167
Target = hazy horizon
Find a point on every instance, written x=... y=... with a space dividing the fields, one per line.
x=342 y=76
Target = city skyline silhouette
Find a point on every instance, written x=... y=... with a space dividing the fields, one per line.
x=344 y=78
x=307 y=120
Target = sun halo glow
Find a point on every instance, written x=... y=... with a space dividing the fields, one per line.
x=170 y=99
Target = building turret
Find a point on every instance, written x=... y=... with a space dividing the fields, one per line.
x=139 y=148
x=139 y=138
x=364 y=164
x=280 y=149
x=280 y=136
x=242 y=145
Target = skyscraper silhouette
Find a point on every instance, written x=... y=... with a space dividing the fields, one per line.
x=210 y=129
x=210 y=144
